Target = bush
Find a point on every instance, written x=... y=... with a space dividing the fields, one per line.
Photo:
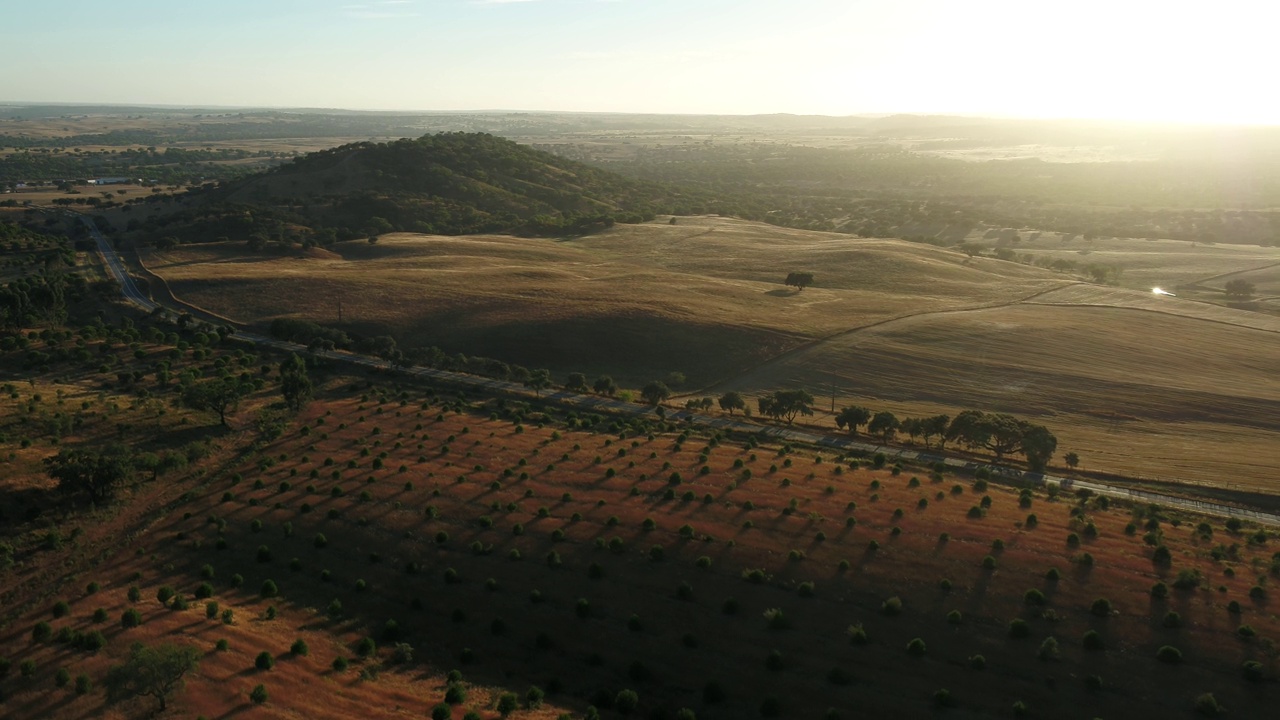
x=264 y=661
x=299 y=648
x=507 y=704
x=83 y=684
x=41 y=632
x=1034 y=597
x=259 y=694
x=1101 y=607
x=131 y=618
x=1252 y=671
x=93 y=642
x=916 y=647
x=1048 y=649
x=455 y=694
x=366 y=647
x=891 y=606
x=626 y=702
x=441 y=712
x=1018 y=628
x=1169 y=654
x=340 y=664
x=533 y=697
x=1092 y=640
x=1207 y=704
x=269 y=589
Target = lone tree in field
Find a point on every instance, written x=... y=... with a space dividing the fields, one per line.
x=799 y=280
x=1071 y=459
x=604 y=385
x=151 y=671
x=577 y=382
x=538 y=381
x=98 y=476
x=852 y=417
x=786 y=404
x=655 y=392
x=885 y=424
x=731 y=401
x=295 y=385
x=1240 y=289
x=221 y=395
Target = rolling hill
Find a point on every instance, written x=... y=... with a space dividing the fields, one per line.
x=448 y=183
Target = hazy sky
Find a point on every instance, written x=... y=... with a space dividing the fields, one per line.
x=1210 y=60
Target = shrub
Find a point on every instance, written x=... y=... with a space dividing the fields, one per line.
x=264 y=661
x=1207 y=704
x=1034 y=597
x=626 y=702
x=989 y=563
x=1092 y=640
x=942 y=698
x=41 y=632
x=259 y=694
x=1018 y=628
x=83 y=684
x=1169 y=654
x=366 y=647
x=1252 y=671
x=507 y=704
x=1101 y=607
x=916 y=647
x=954 y=617
x=340 y=664
x=455 y=694
x=299 y=648
x=533 y=697
x=269 y=589
x=857 y=634
x=1048 y=649
x=1159 y=591
x=977 y=662
x=891 y=606
x=62 y=677
x=131 y=618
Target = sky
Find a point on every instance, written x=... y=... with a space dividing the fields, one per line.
x=1207 y=61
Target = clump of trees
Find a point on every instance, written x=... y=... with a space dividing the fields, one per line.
x=998 y=433
x=786 y=404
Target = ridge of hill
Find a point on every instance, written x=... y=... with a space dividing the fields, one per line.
x=448 y=183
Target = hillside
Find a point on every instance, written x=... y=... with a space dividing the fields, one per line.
x=448 y=183
x=590 y=558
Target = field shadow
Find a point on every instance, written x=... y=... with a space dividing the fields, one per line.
x=782 y=293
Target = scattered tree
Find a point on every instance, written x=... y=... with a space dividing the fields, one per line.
x=152 y=671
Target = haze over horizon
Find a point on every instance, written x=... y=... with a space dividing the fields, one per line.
x=1128 y=60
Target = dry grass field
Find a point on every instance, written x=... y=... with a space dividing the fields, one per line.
x=1149 y=386
x=523 y=555
x=1146 y=264
x=704 y=297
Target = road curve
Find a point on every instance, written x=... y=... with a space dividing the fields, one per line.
x=113 y=263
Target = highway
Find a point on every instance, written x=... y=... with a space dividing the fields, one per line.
x=841 y=444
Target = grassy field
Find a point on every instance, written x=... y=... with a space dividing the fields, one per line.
x=704 y=297
x=1135 y=383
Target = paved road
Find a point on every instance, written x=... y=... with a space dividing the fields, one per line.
x=131 y=293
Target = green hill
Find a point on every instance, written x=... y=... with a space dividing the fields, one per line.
x=449 y=183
